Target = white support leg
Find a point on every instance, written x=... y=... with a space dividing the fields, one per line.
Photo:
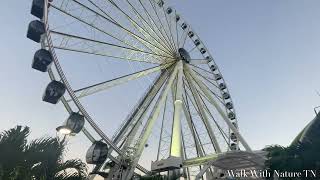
x=150 y=123
x=175 y=149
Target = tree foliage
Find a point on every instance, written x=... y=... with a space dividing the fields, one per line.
x=301 y=155
x=297 y=157
x=40 y=159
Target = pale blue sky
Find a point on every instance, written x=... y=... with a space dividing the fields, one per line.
x=267 y=50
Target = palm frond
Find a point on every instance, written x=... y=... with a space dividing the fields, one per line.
x=15 y=137
x=73 y=165
x=69 y=176
x=49 y=152
x=44 y=148
x=40 y=159
x=12 y=145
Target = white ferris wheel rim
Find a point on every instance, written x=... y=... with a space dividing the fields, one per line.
x=73 y=95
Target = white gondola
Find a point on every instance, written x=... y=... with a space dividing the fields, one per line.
x=160 y=3
x=229 y=105
x=213 y=67
x=169 y=10
x=222 y=86
x=202 y=50
x=217 y=77
x=209 y=58
x=233 y=137
x=177 y=18
x=197 y=42
x=190 y=34
x=226 y=95
x=231 y=116
x=184 y=26
x=233 y=146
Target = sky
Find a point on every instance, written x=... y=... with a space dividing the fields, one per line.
x=267 y=50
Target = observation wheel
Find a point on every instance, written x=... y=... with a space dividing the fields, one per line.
x=184 y=115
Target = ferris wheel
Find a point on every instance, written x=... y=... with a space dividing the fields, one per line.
x=185 y=113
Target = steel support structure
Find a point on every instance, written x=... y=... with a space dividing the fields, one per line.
x=139 y=147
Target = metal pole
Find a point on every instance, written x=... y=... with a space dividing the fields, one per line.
x=175 y=149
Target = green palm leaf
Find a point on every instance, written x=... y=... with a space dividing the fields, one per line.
x=41 y=159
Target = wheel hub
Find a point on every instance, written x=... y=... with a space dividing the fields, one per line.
x=184 y=55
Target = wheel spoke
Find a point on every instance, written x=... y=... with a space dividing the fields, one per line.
x=93 y=25
x=183 y=37
x=152 y=21
x=117 y=81
x=104 y=43
x=137 y=26
x=201 y=95
x=203 y=115
x=206 y=79
x=205 y=90
x=190 y=123
x=177 y=32
x=148 y=26
x=207 y=71
x=145 y=33
x=224 y=134
x=169 y=27
x=161 y=24
x=141 y=58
